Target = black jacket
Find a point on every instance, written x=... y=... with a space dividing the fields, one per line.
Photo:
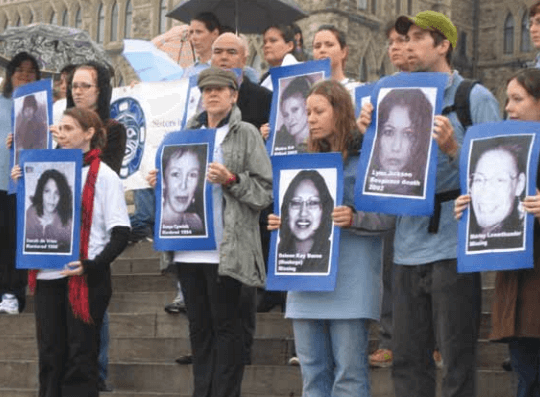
x=254 y=102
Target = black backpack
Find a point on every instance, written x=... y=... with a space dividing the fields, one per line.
x=462 y=107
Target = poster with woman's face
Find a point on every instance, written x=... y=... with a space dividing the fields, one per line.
x=49 y=207
x=183 y=191
x=498 y=170
x=403 y=142
x=31 y=122
x=307 y=199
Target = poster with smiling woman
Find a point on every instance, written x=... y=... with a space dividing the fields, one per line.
x=397 y=166
x=304 y=251
x=184 y=200
x=288 y=117
x=498 y=169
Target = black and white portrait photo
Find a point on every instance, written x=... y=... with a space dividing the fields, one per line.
x=497 y=184
x=183 y=184
x=31 y=122
x=402 y=142
x=292 y=128
x=307 y=201
x=49 y=209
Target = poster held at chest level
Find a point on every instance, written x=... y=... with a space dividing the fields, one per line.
x=184 y=205
x=498 y=168
x=397 y=167
x=304 y=251
x=48 y=208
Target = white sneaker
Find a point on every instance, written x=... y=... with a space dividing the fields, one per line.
x=9 y=304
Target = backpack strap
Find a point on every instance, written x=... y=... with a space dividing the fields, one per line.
x=462 y=104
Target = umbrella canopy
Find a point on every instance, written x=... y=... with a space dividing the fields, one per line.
x=175 y=43
x=248 y=16
x=150 y=63
x=53 y=46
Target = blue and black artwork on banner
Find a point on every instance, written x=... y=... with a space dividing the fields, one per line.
x=398 y=162
x=129 y=112
x=289 y=129
x=304 y=252
x=31 y=118
x=48 y=208
x=498 y=169
x=184 y=198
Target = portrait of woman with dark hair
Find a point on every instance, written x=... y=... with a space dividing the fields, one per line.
x=400 y=153
x=306 y=213
x=497 y=182
x=182 y=211
x=294 y=131
x=31 y=129
x=49 y=218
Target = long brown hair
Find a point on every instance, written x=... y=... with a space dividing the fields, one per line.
x=345 y=123
x=89 y=119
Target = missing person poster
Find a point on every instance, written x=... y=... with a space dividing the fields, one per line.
x=398 y=163
x=498 y=168
x=362 y=95
x=184 y=197
x=304 y=251
x=32 y=115
x=289 y=128
x=48 y=208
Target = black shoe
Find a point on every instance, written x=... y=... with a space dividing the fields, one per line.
x=176 y=306
x=104 y=386
x=507 y=365
x=185 y=360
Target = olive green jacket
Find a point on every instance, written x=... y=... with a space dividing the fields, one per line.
x=245 y=155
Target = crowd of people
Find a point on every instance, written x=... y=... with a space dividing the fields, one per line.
x=398 y=270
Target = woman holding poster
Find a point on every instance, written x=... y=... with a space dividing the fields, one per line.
x=70 y=303
x=515 y=305
x=331 y=328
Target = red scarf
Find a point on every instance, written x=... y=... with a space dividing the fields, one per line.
x=77 y=286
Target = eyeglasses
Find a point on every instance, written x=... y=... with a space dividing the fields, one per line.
x=479 y=181
x=312 y=203
x=25 y=70
x=82 y=86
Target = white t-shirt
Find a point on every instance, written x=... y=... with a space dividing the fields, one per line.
x=289 y=59
x=110 y=210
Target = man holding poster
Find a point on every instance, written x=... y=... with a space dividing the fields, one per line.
x=429 y=294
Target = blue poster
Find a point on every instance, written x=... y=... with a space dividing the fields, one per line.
x=48 y=208
x=498 y=168
x=304 y=251
x=129 y=112
x=31 y=117
x=184 y=199
x=398 y=162
x=289 y=129
x=362 y=95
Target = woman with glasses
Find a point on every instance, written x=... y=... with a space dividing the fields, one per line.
x=515 y=305
x=306 y=211
x=331 y=328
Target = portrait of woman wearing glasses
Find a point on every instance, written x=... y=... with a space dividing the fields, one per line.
x=497 y=183
x=306 y=225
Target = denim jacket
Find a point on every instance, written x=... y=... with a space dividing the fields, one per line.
x=245 y=155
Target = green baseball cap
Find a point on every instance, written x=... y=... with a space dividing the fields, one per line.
x=429 y=20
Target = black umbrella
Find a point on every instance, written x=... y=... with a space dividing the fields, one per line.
x=248 y=16
x=53 y=46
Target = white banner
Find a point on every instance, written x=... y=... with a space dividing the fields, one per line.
x=148 y=111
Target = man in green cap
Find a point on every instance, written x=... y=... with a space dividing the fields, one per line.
x=430 y=299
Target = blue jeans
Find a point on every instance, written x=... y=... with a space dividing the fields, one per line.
x=333 y=357
x=145 y=207
x=525 y=355
x=103 y=356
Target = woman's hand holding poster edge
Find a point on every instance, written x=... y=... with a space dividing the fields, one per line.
x=398 y=162
x=498 y=168
x=304 y=251
x=288 y=118
x=48 y=208
x=184 y=200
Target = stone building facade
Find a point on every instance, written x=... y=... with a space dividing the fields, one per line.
x=492 y=34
